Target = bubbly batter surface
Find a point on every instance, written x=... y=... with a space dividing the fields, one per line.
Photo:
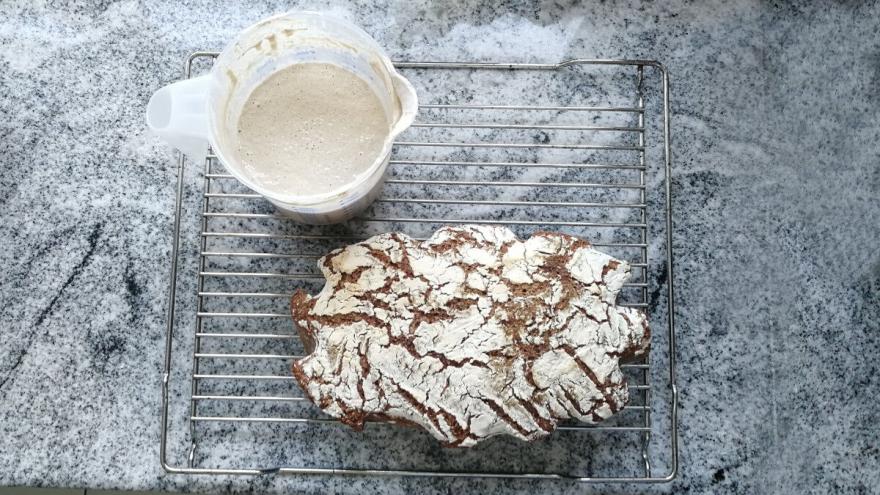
x=309 y=129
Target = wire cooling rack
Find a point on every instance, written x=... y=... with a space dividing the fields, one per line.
x=560 y=147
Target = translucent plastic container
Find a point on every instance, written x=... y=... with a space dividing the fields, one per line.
x=195 y=113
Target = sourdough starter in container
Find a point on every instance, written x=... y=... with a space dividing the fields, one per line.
x=310 y=128
x=302 y=108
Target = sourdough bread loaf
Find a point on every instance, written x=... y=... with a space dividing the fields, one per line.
x=470 y=334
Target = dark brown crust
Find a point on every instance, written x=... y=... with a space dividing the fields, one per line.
x=300 y=305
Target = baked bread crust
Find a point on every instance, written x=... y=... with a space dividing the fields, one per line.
x=469 y=334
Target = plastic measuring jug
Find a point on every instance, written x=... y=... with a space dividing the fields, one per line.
x=194 y=114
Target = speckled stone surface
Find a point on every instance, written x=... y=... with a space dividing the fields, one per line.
x=776 y=184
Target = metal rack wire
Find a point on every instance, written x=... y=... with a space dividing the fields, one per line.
x=574 y=166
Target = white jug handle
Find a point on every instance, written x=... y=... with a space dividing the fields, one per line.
x=178 y=113
x=409 y=103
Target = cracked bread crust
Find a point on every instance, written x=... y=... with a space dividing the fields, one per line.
x=470 y=334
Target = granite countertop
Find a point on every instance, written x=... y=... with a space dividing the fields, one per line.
x=776 y=183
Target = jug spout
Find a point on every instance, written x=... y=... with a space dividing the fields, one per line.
x=178 y=113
